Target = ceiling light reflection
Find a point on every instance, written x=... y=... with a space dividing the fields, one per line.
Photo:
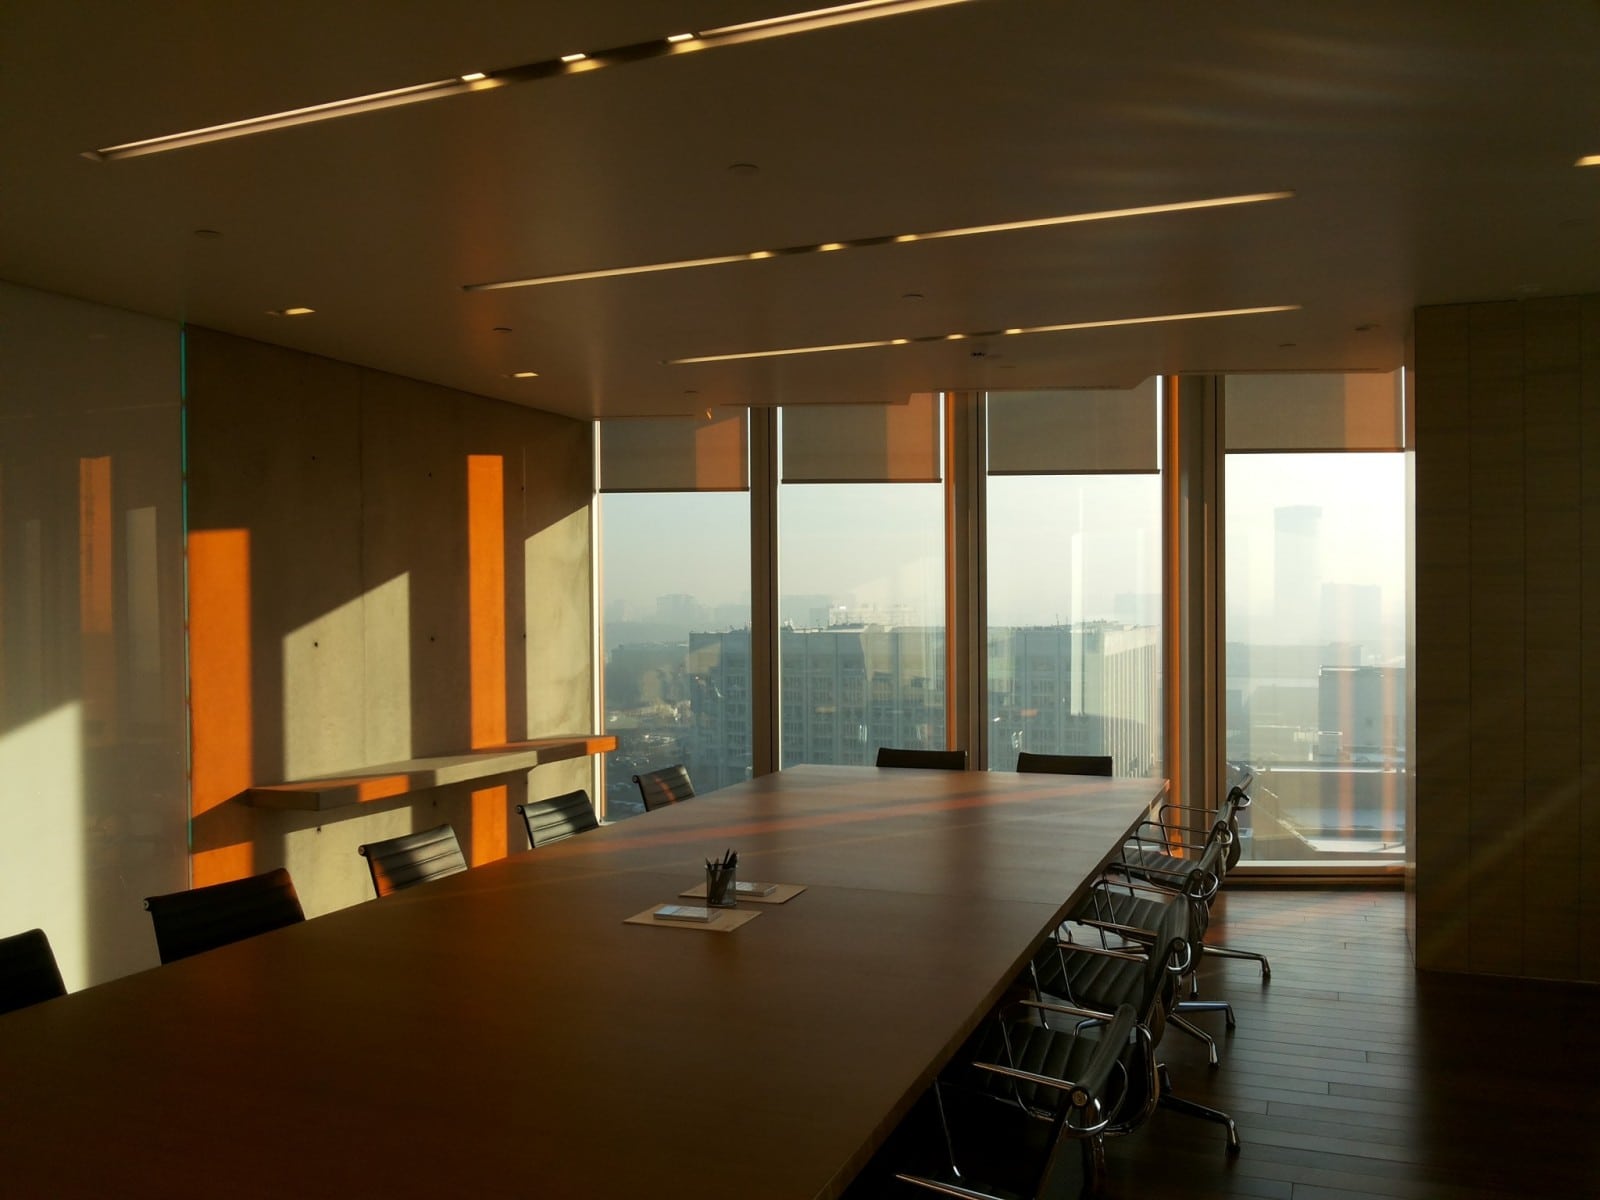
x=952 y=337
x=860 y=243
x=771 y=27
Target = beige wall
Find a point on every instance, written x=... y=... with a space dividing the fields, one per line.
x=1507 y=822
x=380 y=569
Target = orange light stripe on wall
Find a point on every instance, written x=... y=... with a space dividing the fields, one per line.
x=1172 y=487
x=2 y=589
x=99 y=658
x=486 y=606
x=219 y=690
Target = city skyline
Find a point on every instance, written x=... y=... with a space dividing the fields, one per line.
x=1061 y=548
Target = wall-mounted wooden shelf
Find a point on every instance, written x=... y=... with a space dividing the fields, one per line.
x=367 y=784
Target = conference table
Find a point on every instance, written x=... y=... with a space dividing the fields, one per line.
x=506 y=1031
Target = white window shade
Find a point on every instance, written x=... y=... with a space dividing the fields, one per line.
x=1315 y=412
x=675 y=454
x=1077 y=432
x=863 y=443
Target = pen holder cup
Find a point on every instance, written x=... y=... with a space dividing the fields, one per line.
x=720 y=890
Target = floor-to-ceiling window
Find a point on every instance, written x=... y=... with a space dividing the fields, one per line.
x=1315 y=502
x=675 y=603
x=1073 y=583
x=861 y=582
x=1312 y=660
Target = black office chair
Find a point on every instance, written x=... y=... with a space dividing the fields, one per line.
x=1151 y=979
x=558 y=817
x=28 y=971
x=1084 y=1081
x=669 y=785
x=1163 y=851
x=927 y=760
x=401 y=862
x=1133 y=908
x=205 y=918
x=1064 y=764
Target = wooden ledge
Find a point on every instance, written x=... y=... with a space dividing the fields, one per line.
x=367 y=784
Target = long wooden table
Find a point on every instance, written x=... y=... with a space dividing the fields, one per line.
x=503 y=1032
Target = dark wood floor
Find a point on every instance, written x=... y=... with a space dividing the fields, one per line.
x=1351 y=1075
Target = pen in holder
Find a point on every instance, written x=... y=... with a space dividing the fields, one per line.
x=720 y=890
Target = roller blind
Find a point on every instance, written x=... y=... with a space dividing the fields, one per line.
x=1322 y=412
x=863 y=443
x=1074 y=432
x=675 y=454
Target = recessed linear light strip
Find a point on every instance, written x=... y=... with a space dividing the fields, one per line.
x=1588 y=160
x=858 y=243
x=960 y=337
x=565 y=64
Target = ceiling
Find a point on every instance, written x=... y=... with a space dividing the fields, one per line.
x=1429 y=146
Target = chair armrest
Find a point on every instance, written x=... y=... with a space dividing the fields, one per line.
x=1160 y=876
x=1068 y=1010
x=944 y=1189
x=1081 y=948
x=1135 y=932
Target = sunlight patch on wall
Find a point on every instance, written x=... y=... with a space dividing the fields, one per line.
x=219 y=690
x=95 y=599
x=322 y=686
x=42 y=855
x=486 y=586
x=387 y=670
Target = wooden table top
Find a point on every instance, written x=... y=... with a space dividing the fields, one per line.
x=503 y=1032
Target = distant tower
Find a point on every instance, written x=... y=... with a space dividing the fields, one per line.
x=1296 y=572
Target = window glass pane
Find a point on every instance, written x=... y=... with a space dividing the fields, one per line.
x=861 y=609
x=1074 y=594
x=676 y=629
x=1316 y=653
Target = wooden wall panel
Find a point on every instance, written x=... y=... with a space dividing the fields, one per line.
x=1439 y=840
x=1553 y=490
x=1496 y=653
x=1588 y=783
x=1507 y=832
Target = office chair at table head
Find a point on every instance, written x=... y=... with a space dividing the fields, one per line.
x=927 y=760
x=1064 y=764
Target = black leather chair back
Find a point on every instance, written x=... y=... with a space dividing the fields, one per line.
x=927 y=760
x=401 y=862
x=204 y=918
x=1064 y=764
x=558 y=817
x=669 y=785
x=28 y=971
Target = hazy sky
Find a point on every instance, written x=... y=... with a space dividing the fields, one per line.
x=1060 y=548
